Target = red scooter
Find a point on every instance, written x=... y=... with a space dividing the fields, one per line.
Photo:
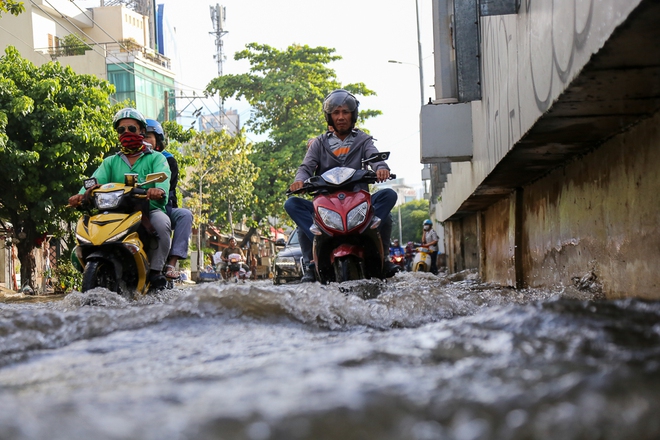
x=347 y=244
x=399 y=260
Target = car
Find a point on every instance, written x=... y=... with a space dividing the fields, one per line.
x=287 y=266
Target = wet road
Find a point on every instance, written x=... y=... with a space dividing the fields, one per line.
x=428 y=358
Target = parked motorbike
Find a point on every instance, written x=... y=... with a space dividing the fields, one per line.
x=112 y=241
x=347 y=244
x=236 y=268
x=422 y=260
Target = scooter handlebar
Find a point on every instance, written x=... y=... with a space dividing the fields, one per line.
x=307 y=186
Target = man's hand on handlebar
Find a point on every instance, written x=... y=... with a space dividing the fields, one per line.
x=295 y=186
x=382 y=174
x=155 y=193
x=75 y=200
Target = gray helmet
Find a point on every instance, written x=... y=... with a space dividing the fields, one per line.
x=129 y=113
x=340 y=97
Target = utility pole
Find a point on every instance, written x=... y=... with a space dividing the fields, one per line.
x=419 y=55
x=218 y=15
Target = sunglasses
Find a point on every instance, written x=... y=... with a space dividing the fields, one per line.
x=131 y=128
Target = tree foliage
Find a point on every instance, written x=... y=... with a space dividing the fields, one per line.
x=413 y=215
x=176 y=138
x=73 y=44
x=11 y=6
x=286 y=90
x=55 y=127
x=227 y=177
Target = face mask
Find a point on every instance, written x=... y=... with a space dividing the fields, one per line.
x=427 y=227
x=131 y=142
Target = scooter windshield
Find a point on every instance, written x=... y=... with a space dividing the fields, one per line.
x=337 y=176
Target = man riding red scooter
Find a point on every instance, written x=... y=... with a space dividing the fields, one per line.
x=345 y=147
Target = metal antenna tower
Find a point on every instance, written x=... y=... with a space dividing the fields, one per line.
x=218 y=14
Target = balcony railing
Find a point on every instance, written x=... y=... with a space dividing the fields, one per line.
x=112 y=51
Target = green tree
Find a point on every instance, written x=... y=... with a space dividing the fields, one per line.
x=11 y=6
x=286 y=91
x=176 y=138
x=73 y=44
x=55 y=127
x=222 y=176
x=413 y=215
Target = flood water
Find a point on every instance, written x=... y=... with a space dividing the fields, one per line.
x=428 y=358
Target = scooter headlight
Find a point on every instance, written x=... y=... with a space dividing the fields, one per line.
x=108 y=200
x=357 y=216
x=117 y=237
x=82 y=240
x=331 y=219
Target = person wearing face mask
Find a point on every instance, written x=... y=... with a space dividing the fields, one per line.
x=137 y=157
x=430 y=240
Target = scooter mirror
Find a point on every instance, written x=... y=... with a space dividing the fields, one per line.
x=130 y=179
x=155 y=177
x=378 y=157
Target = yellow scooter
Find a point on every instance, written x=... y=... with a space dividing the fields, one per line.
x=112 y=236
x=422 y=260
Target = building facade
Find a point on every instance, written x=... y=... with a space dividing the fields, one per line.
x=543 y=142
x=118 y=49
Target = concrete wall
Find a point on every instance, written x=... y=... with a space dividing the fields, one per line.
x=594 y=221
x=463 y=243
x=599 y=216
x=563 y=183
x=528 y=59
x=498 y=244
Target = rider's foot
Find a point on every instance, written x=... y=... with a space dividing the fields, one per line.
x=170 y=272
x=157 y=281
x=309 y=275
x=389 y=268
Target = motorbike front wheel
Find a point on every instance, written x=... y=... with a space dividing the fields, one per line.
x=99 y=273
x=348 y=268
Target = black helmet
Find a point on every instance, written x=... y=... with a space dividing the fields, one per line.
x=155 y=127
x=340 y=97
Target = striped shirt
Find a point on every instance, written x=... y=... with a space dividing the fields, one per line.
x=340 y=148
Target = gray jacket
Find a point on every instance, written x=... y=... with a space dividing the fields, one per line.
x=320 y=158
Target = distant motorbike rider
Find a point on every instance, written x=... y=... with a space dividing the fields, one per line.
x=395 y=248
x=180 y=218
x=341 y=146
x=430 y=240
x=137 y=156
x=397 y=254
x=232 y=248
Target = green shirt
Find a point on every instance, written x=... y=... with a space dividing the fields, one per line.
x=113 y=168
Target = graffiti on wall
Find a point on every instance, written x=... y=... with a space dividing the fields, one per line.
x=528 y=59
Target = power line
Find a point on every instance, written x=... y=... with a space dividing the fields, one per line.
x=97 y=25
x=121 y=64
x=104 y=55
x=24 y=42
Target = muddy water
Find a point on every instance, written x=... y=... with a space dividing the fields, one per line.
x=427 y=358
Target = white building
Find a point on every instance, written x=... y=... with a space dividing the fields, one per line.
x=118 y=49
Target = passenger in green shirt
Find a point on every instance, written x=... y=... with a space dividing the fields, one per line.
x=136 y=156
